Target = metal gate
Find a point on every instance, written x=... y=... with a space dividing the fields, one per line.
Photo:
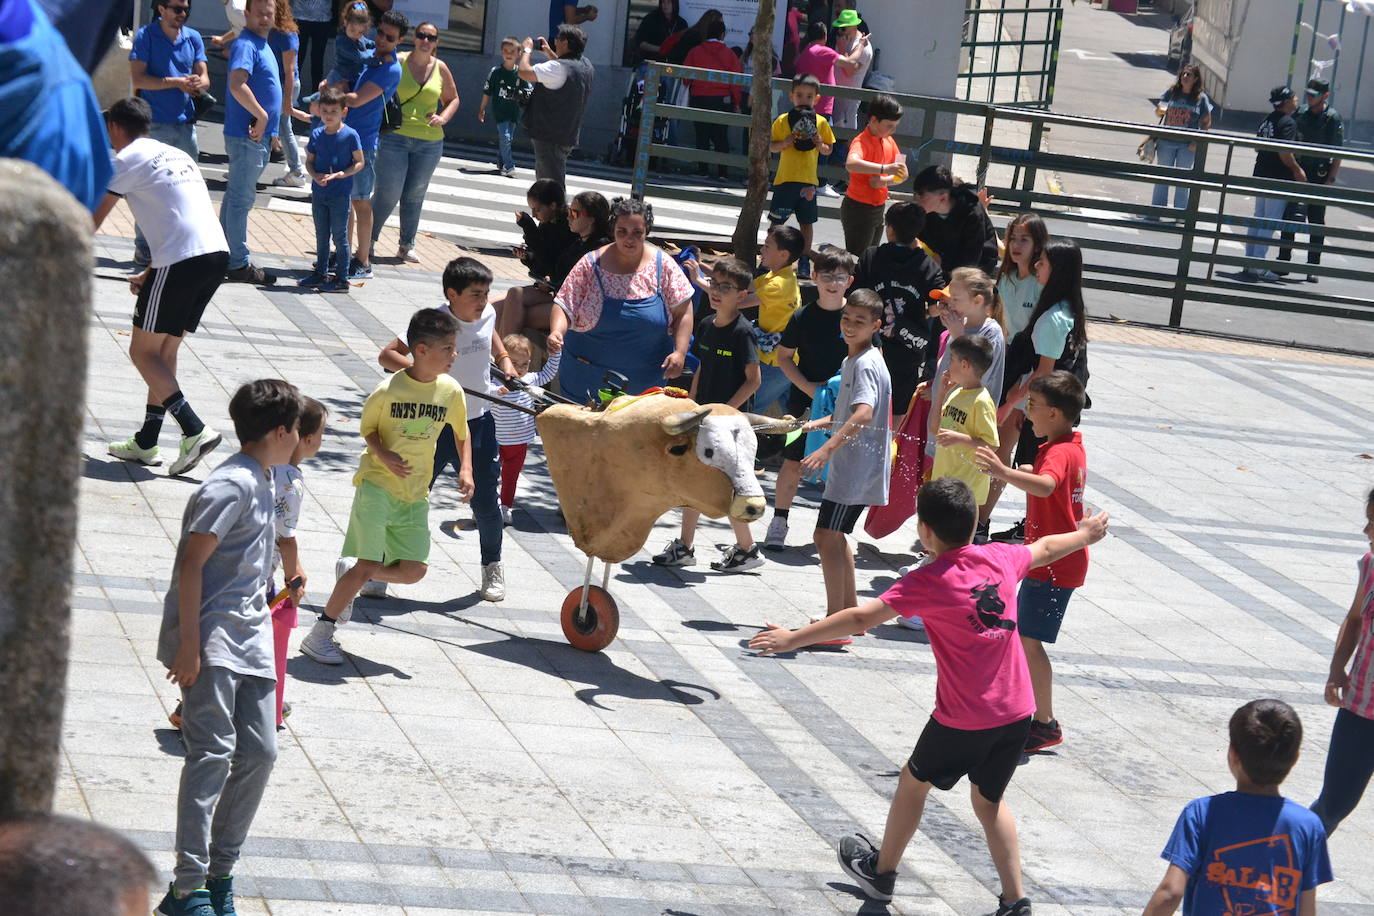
x=1010 y=52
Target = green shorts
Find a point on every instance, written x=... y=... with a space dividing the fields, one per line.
x=384 y=529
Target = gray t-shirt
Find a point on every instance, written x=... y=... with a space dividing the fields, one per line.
x=860 y=468
x=992 y=379
x=235 y=505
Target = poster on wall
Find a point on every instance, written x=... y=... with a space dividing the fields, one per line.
x=739 y=19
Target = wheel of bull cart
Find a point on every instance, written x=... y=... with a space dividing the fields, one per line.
x=593 y=629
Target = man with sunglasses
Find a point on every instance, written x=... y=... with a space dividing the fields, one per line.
x=167 y=65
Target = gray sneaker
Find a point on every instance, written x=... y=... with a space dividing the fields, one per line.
x=372 y=589
x=319 y=644
x=776 y=539
x=493 y=582
x=738 y=560
x=194 y=448
x=859 y=859
x=676 y=554
x=341 y=567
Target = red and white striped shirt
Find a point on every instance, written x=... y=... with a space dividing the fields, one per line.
x=1359 y=699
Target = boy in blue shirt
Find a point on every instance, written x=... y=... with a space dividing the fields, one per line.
x=1251 y=850
x=332 y=157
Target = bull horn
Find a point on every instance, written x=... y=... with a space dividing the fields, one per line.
x=684 y=422
x=772 y=426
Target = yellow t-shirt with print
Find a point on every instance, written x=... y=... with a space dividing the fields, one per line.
x=795 y=164
x=408 y=417
x=970 y=411
x=779 y=295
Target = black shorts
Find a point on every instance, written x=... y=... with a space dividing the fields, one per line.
x=987 y=756
x=173 y=298
x=838 y=517
x=797 y=405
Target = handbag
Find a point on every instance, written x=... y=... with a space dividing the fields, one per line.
x=1149 y=147
x=201 y=105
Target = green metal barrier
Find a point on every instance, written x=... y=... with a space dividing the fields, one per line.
x=1025 y=52
x=1181 y=257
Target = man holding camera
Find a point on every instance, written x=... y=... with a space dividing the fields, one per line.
x=562 y=84
x=1320 y=124
x=167 y=64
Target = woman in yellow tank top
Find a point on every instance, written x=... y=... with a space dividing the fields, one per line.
x=406 y=158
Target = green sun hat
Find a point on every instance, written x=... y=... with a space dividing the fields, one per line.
x=846 y=19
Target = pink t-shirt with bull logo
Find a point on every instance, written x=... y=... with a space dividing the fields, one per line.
x=967 y=599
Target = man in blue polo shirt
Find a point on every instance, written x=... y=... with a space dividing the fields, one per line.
x=366 y=105
x=167 y=63
x=251 y=112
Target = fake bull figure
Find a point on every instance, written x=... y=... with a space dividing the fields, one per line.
x=618 y=471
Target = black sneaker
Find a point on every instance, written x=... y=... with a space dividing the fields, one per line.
x=859 y=859
x=1020 y=907
x=250 y=273
x=1016 y=534
x=738 y=560
x=222 y=895
x=980 y=534
x=1043 y=735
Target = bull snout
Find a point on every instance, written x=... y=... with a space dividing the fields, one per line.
x=747 y=508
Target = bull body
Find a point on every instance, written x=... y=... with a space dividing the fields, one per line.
x=618 y=471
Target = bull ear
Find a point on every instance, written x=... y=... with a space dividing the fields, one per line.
x=684 y=422
x=772 y=426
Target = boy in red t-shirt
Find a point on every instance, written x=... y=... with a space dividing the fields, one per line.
x=1054 y=504
x=983 y=696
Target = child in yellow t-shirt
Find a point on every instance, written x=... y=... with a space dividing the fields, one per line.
x=388 y=527
x=969 y=416
x=776 y=295
x=801 y=137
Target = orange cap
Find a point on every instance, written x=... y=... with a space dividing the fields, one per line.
x=941 y=294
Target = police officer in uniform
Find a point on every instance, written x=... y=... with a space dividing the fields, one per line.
x=1318 y=123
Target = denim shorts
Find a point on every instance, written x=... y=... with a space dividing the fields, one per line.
x=793 y=197
x=1040 y=609
x=366 y=178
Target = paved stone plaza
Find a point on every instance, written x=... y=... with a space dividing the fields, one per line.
x=466 y=759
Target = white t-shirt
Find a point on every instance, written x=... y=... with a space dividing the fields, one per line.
x=551 y=73
x=472 y=358
x=287 y=487
x=165 y=190
x=846 y=113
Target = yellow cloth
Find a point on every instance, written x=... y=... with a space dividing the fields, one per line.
x=970 y=411
x=419 y=102
x=408 y=416
x=779 y=296
x=793 y=164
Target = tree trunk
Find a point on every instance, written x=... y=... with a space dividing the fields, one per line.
x=760 y=129
x=45 y=270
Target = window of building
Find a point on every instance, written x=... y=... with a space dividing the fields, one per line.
x=461 y=22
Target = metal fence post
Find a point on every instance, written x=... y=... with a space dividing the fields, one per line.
x=1185 y=252
x=640 y=178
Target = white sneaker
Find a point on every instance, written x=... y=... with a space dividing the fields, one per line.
x=505 y=516
x=373 y=589
x=194 y=448
x=676 y=554
x=292 y=180
x=911 y=623
x=408 y=254
x=493 y=582
x=129 y=450
x=319 y=644
x=827 y=191
x=776 y=539
x=341 y=567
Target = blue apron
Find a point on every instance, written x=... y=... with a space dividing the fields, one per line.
x=630 y=337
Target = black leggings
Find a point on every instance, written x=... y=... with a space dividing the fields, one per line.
x=316 y=36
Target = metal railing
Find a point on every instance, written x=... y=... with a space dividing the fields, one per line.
x=1009 y=54
x=1184 y=256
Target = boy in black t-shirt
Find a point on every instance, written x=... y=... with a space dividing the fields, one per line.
x=809 y=354
x=728 y=374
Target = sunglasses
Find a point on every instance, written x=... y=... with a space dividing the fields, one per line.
x=178 y=10
x=426 y=36
x=573 y=211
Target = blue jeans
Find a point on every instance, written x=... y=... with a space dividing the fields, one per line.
x=1179 y=156
x=505 y=134
x=486 y=478
x=404 y=166
x=1349 y=764
x=331 y=222
x=247 y=159
x=290 y=150
x=183 y=137
x=774 y=388
x=1268 y=209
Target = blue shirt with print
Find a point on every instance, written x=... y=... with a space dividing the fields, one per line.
x=367 y=119
x=251 y=52
x=165 y=57
x=333 y=153
x=1247 y=853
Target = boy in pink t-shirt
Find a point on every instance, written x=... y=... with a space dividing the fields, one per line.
x=983 y=696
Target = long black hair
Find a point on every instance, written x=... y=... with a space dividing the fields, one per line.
x=1177 y=87
x=594 y=205
x=1066 y=285
x=550 y=193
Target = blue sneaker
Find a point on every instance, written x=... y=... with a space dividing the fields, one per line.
x=314 y=281
x=222 y=895
x=196 y=904
x=336 y=284
x=359 y=271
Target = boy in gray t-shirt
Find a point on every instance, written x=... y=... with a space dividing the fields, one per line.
x=216 y=641
x=859 y=451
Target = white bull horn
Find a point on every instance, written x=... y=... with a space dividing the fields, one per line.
x=683 y=422
x=771 y=426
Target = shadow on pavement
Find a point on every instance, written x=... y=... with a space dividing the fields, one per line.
x=307 y=669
